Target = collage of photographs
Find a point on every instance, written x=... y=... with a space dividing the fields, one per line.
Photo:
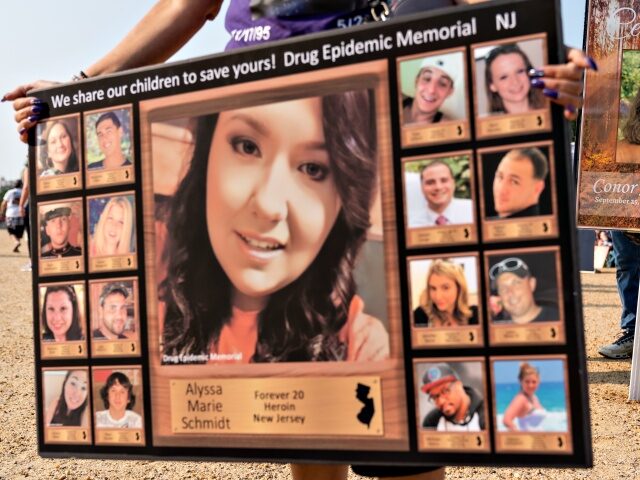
x=493 y=203
x=86 y=215
x=406 y=243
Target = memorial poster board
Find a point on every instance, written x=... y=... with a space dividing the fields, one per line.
x=291 y=253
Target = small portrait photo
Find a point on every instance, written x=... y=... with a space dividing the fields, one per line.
x=438 y=192
x=628 y=144
x=61 y=229
x=66 y=397
x=114 y=310
x=281 y=249
x=444 y=291
x=58 y=147
x=517 y=182
x=524 y=286
x=433 y=88
x=117 y=398
x=530 y=395
x=62 y=312
x=502 y=81
x=112 y=226
x=451 y=396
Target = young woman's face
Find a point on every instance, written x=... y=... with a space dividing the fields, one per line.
x=75 y=390
x=59 y=146
x=530 y=383
x=59 y=313
x=113 y=226
x=509 y=78
x=443 y=292
x=271 y=197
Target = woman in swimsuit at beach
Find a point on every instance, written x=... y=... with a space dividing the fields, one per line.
x=525 y=409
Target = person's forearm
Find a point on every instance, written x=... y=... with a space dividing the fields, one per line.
x=160 y=33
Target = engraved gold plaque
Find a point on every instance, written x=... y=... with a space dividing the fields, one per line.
x=530 y=122
x=522 y=442
x=63 y=349
x=290 y=406
x=117 y=176
x=119 y=262
x=120 y=436
x=460 y=442
x=75 y=435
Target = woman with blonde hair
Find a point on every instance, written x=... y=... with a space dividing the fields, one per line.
x=113 y=234
x=525 y=408
x=445 y=300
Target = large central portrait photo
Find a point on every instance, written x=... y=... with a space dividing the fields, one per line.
x=272 y=216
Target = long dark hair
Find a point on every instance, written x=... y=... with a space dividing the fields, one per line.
x=62 y=415
x=122 y=379
x=301 y=321
x=496 y=105
x=75 y=330
x=72 y=163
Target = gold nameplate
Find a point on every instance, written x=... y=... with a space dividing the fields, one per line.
x=521 y=334
x=62 y=265
x=289 y=406
x=58 y=183
x=528 y=227
x=115 y=348
x=119 y=262
x=531 y=122
x=75 y=435
x=470 y=336
x=117 y=176
x=435 y=133
x=120 y=436
x=460 y=442
x=534 y=442
x=450 y=234
x=63 y=349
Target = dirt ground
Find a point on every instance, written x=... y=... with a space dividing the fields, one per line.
x=615 y=421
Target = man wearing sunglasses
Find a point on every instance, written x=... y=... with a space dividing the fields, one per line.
x=458 y=408
x=512 y=279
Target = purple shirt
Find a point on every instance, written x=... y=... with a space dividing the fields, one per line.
x=251 y=22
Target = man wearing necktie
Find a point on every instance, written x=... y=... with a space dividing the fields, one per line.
x=440 y=208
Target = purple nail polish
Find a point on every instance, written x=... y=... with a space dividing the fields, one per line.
x=550 y=92
x=570 y=108
x=22 y=131
x=592 y=64
x=533 y=73
x=33 y=118
x=4 y=98
x=36 y=101
x=36 y=109
x=537 y=83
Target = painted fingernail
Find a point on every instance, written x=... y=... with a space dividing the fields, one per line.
x=570 y=108
x=550 y=92
x=537 y=83
x=22 y=131
x=36 y=109
x=33 y=118
x=592 y=64
x=533 y=73
x=36 y=101
x=4 y=98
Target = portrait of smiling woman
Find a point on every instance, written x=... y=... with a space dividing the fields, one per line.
x=264 y=231
x=58 y=152
x=61 y=318
x=507 y=83
x=114 y=231
x=69 y=409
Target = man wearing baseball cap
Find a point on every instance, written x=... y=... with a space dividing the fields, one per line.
x=434 y=83
x=458 y=408
x=56 y=226
x=511 y=278
x=112 y=312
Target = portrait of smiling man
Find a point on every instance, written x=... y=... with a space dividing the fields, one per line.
x=112 y=312
x=437 y=205
x=56 y=222
x=424 y=94
x=109 y=132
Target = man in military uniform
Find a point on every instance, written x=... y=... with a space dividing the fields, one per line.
x=56 y=226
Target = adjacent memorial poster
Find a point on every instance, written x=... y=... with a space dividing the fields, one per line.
x=315 y=251
x=609 y=144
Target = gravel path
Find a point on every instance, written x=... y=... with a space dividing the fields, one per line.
x=615 y=421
